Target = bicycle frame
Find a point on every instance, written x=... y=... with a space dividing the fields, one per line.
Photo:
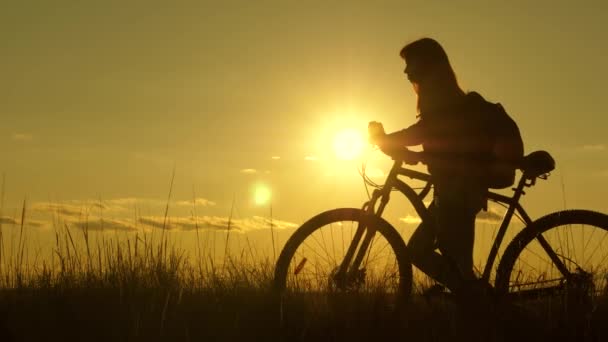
x=359 y=247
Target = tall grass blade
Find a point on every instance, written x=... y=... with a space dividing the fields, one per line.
x=21 y=244
x=274 y=252
x=228 y=229
x=163 y=237
x=1 y=216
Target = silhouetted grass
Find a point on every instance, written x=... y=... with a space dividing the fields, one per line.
x=146 y=289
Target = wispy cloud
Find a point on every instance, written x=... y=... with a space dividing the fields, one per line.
x=122 y=204
x=594 y=147
x=8 y=220
x=275 y=157
x=215 y=223
x=83 y=207
x=176 y=223
x=249 y=171
x=123 y=201
x=259 y=222
x=489 y=216
x=63 y=209
x=185 y=223
x=97 y=215
x=102 y=224
x=199 y=201
x=28 y=222
x=76 y=208
x=22 y=137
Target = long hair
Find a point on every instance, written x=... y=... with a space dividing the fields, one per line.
x=429 y=67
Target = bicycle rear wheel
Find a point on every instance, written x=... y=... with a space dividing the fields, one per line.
x=573 y=274
x=307 y=273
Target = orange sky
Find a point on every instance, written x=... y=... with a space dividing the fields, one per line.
x=102 y=102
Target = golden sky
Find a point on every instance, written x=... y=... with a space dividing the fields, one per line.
x=100 y=101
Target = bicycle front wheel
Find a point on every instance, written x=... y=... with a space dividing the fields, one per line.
x=562 y=255
x=309 y=267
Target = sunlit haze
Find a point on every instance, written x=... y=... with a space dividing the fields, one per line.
x=261 y=108
x=348 y=144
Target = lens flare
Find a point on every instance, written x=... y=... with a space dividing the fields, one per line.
x=348 y=144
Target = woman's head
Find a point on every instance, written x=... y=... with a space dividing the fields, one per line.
x=429 y=70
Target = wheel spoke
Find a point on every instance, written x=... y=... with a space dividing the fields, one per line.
x=317 y=253
x=316 y=250
x=596 y=248
x=314 y=237
x=572 y=236
x=323 y=240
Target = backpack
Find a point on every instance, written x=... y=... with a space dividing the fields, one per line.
x=506 y=145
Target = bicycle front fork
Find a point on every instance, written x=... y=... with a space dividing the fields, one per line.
x=349 y=271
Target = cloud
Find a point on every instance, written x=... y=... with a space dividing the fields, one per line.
x=594 y=147
x=79 y=217
x=185 y=223
x=249 y=171
x=22 y=137
x=88 y=214
x=215 y=223
x=28 y=222
x=259 y=222
x=106 y=224
x=123 y=201
x=122 y=204
x=489 y=216
x=8 y=220
x=79 y=207
x=275 y=157
x=63 y=209
x=199 y=201
x=75 y=208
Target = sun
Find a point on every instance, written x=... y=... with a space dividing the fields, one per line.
x=348 y=144
x=262 y=194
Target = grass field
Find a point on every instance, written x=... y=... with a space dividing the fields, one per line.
x=148 y=289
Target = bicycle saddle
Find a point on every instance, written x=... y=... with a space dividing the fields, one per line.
x=537 y=163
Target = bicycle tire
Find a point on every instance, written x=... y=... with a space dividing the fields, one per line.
x=521 y=251
x=388 y=232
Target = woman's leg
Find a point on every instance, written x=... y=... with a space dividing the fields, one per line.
x=456 y=236
x=421 y=247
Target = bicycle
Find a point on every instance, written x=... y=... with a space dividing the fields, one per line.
x=542 y=259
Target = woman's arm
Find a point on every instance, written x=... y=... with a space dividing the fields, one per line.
x=411 y=136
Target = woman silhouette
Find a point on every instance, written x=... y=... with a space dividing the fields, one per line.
x=456 y=147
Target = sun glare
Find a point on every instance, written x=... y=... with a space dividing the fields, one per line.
x=348 y=144
x=261 y=195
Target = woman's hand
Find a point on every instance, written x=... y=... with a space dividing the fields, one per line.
x=376 y=133
x=389 y=145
